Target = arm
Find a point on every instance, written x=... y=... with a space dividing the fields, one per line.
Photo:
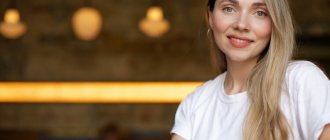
x=177 y=137
x=325 y=135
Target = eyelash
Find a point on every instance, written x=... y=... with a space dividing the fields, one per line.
x=264 y=14
x=228 y=9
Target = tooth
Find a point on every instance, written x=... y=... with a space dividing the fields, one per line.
x=239 y=40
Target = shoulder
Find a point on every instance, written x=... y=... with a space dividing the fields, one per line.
x=302 y=65
x=298 y=70
x=204 y=92
x=305 y=78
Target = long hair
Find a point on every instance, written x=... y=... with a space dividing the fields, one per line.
x=265 y=120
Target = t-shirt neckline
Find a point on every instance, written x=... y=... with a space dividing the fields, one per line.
x=229 y=98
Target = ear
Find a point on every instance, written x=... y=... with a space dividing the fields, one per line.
x=210 y=19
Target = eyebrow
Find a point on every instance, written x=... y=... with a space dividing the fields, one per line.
x=232 y=1
x=259 y=4
x=256 y=4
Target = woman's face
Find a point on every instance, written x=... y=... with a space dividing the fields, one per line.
x=241 y=28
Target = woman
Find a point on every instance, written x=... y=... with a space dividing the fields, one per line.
x=260 y=94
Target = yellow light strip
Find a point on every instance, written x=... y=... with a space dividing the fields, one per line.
x=95 y=92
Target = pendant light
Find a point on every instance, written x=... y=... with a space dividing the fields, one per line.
x=11 y=27
x=87 y=23
x=154 y=24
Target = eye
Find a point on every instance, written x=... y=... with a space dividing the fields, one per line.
x=261 y=13
x=228 y=9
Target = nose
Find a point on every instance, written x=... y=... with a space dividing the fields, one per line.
x=242 y=23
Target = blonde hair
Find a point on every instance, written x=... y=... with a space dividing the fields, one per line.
x=265 y=120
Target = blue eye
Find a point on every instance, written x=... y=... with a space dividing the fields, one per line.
x=228 y=9
x=260 y=13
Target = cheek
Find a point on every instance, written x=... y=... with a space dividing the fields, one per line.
x=263 y=29
x=221 y=23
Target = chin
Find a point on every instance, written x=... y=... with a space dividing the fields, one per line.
x=241 y=59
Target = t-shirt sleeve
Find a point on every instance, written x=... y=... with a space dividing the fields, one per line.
x=313 y=105
x=182 y=125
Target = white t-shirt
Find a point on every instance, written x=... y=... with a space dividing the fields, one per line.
x=210 y=114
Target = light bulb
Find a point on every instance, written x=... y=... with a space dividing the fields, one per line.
x=87 y=22
x=12 y=16
x=155 y=13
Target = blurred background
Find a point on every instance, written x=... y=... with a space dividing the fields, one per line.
x=105 y=41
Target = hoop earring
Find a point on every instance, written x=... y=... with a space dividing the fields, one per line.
x=208 y=31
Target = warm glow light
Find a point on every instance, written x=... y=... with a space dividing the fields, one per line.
x=12 y=16
x=86 y=23
x=12 y=27
x=154 y=25
x=155 y=13
x=113 y=92
x=12 y=31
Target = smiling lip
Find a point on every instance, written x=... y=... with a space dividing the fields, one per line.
x=239 y=41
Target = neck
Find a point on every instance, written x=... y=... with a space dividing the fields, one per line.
x=237 y=76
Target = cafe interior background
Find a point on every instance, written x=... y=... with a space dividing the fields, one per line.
x=69 y=69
